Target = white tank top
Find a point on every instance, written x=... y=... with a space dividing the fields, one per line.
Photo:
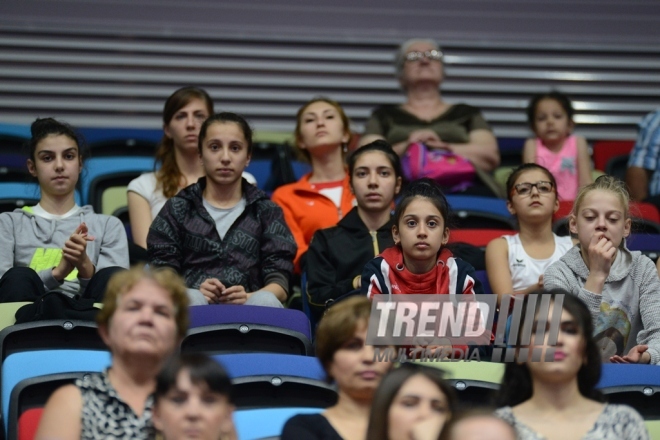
x=526 y=270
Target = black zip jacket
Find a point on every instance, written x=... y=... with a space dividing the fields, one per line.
x=338 y=254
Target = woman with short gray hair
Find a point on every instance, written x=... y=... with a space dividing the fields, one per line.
x=425 y=117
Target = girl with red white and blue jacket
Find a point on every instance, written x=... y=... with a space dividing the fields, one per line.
x=420 y=262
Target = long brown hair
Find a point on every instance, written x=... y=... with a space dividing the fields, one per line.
x=169 y=175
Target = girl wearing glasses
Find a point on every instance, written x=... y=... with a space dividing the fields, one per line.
x=620 y=287
x=550 y=115
x=515 y=263
x=425 y=117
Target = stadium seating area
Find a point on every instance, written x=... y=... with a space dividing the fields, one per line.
x=268 y=355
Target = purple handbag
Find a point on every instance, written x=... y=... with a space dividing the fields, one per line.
x=449 y=170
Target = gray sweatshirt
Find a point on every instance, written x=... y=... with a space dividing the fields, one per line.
x=627 y=313
x=28 y=240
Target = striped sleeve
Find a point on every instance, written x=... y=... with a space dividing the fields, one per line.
x=375 y=278
x=646 y=152
x=462 y=278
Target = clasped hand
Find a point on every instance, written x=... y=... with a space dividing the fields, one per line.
x=74 y=255
x=216 y=293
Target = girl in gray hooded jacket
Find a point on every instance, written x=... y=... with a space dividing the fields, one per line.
x=620 y=287
x=58 y=245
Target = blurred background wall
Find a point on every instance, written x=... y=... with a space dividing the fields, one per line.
x=112 y=63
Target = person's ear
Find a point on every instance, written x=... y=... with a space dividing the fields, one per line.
x=445 y=236
x=397 y=187
x=104 y=333
x=556 y=207
x=299 y=141
x=626 y=227
x=395 y=235
x=572 y=224
x=346 y=138
x=571 y=126
x=510 y=208
x=166 y=130
x=227 y=424
x=32 y=169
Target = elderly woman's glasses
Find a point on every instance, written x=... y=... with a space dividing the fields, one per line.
x=432 y=55
x=525 y=189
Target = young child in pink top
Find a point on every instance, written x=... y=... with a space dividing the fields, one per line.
x=550 y=115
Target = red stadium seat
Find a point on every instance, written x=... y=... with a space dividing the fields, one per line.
x=565 y=207
x=605 y=150
x=28 y=423
x=477 y=237
x=644 y=210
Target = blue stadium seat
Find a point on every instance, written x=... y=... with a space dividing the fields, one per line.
x=634 y=385
x=97 y=169
x=16 y=195
x=128 y=146
x=13 y=168
x=50 y=334
x=20 y=366
x=98 y=135
x=269 y=380
x=473 y=212
x=510 y=151
x=16 y=130
x=224 y=328
x=13 y=142
x=648 y=244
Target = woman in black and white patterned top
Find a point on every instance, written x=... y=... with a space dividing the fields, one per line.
x=144 y=317
x=558 y=399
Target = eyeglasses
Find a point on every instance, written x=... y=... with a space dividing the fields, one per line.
x=525 y=189
x=432 y=55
